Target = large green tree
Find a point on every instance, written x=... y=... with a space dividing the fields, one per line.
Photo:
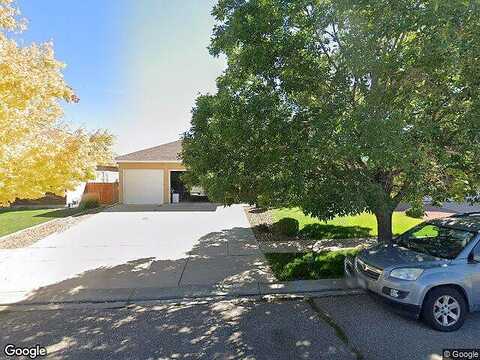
x=341 y=106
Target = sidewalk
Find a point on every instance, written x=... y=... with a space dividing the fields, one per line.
x=294 y=246
x=123 y=297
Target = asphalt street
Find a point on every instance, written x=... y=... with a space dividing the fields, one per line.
x=208 y=330
x=342 y=327
x=378 y=333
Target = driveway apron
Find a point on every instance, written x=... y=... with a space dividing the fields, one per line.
x=131 y=249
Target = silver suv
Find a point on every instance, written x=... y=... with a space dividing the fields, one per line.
x=432 y=271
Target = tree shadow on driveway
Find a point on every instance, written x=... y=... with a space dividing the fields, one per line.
x=228 y=258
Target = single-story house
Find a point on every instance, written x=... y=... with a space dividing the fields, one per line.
x=153 y=176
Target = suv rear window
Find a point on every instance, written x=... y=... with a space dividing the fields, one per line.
x=438 y=241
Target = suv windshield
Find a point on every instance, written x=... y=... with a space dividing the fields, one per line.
x=438 y=241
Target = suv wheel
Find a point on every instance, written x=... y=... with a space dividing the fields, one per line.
x=445 y=309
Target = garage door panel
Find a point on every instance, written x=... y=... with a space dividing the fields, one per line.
x=143 y=186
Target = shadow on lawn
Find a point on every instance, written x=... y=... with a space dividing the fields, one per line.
x=54 y=213
x=59 y=213
x=327 y=231
x=62 y=213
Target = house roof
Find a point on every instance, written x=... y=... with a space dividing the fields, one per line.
x=113 y=168
x=461 y=221
x=169 y=152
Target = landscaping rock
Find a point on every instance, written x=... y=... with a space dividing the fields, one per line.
x=261 y=221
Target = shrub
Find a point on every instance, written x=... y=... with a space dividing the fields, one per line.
x=263 y=228
x=302 y=268
x=417 y=209
x=89 y=201
x=286 y=226
x=309 y=266
x=415 y=212
x=330 y=264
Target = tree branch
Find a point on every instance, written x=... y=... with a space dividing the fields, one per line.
x=336 y=37
x=397 y=41
x=401 y=193
x=329 y=58
x=354 y=90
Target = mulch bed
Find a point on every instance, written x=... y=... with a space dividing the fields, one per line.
x=260 y=221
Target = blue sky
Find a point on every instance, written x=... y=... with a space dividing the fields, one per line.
x=137 y=66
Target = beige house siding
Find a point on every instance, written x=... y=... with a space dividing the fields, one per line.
x=166 y=166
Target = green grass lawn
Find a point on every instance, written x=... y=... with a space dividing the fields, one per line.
x=308 y=266
x=12 y=220
x=363 y=225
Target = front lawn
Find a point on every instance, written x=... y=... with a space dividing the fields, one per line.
x=12 y=220
x=308 y=266
x=345 y=227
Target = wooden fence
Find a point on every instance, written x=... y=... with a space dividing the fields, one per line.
x=107 y=192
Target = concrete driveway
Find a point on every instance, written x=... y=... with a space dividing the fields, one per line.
x=136 y=251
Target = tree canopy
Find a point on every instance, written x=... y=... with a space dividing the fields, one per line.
x=340 y=106
x=38 y=152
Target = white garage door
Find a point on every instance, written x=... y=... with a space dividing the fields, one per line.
x=142 y=186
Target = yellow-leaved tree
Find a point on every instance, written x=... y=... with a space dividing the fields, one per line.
x=39 y=153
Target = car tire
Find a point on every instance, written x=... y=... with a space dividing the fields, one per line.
x=445 y=309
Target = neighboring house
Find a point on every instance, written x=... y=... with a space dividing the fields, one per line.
x=105 y=178
x=153 y=176
x=103 y=174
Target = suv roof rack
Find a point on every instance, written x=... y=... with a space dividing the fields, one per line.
x=467 y=214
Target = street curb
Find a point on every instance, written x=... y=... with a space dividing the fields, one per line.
x=108 y=298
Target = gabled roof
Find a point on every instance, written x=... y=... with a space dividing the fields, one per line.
x=169 y=152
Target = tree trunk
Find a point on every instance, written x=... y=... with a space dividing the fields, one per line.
x=384 y=226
